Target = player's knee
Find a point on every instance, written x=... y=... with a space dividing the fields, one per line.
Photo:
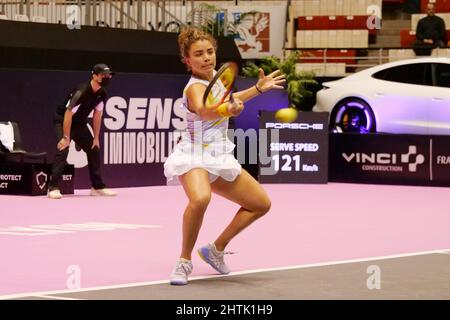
x=200 y=201
x=263 y=207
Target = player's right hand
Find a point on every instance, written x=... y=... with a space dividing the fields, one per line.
x=235 y=107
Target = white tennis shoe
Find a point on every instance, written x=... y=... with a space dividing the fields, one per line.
x=214 y=258
x=54 y=194
x=103 y=192
x=183 y=268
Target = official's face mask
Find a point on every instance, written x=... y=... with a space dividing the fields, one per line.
x=104 y=82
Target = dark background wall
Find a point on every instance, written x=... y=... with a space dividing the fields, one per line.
x=40 y=63
x=29 y=97
x=54 y=46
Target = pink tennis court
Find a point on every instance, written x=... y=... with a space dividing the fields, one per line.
x=317 y=242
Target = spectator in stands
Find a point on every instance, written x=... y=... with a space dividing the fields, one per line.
x=430 y=33
x=71 y=123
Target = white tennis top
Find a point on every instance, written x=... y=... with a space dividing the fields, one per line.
x=204 y=131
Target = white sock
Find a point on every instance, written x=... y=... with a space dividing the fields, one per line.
x=183 y=260
x=215 y=249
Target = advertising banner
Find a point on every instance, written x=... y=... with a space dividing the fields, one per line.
x=294 y=152
x=390 y=159
x=32 y=179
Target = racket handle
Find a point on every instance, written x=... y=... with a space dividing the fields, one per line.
x=222 y=110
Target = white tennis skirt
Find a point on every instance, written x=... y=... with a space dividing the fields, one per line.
x=217 y=158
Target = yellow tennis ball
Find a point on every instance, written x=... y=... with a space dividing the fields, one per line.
x=286 y=115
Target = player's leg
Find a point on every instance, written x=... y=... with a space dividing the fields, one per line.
x=254 y=202
x=198 y=190
x=249 y=194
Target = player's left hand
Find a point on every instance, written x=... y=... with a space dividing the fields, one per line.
x=271 y=81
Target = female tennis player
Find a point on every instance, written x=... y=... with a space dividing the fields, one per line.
x=203 y=160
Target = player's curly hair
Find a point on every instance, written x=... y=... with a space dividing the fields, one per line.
x=190 y=35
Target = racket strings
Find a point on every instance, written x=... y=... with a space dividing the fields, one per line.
x=221 y=88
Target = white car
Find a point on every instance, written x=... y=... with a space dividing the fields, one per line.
x=408 y=96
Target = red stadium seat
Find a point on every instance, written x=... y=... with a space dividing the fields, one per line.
x=407 y=37
x=332 y=22
x=340 y=20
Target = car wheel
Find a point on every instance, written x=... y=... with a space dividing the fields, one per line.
x=352 y=115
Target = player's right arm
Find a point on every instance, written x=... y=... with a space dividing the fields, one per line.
x=195 y=94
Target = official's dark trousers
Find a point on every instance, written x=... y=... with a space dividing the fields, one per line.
x=83 y=138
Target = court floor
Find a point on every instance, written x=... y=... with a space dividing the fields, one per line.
x=332 y=241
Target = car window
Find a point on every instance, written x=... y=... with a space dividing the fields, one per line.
x=441 y=74
x=411 y=73
x=380 y=74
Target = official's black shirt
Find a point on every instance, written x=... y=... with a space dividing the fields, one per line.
x=81 y=100
x=431 y=27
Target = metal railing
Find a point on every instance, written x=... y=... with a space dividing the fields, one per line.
x=159 y=15
x=130 y=14
x=364 y=59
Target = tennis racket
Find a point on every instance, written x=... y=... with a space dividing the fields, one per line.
x=221 y=86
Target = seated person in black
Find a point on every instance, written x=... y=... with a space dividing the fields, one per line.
x=70 y=122
x=430 y=33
